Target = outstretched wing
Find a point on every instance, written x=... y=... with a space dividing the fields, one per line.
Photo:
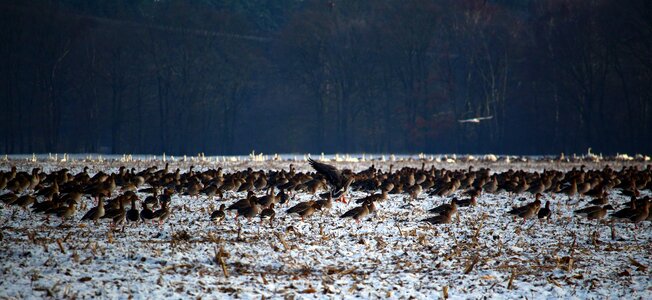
x=476 y=119
x=332 y=174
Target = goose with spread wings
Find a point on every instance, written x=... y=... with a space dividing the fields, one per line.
x=476 y=120
x=338 y=181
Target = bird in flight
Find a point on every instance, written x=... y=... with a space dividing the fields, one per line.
x=338 y=181
x=476 y=119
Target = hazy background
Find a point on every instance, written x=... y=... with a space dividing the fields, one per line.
x=228 y=77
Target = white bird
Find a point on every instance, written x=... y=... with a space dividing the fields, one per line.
x=475 y=120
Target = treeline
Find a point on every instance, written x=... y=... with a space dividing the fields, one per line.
x=225 y=77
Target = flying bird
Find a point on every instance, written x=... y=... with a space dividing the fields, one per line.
x=338 y=181
x=476 y=120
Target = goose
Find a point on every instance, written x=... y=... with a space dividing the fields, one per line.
x=358 y=213
x=338 y=181
x=444 y=218
x=218 y=215
x=161 y=214
x=303 y=209
x=268 y=214
x=132 y=214
x=95 y=213
x=448 y=208
x=544 y=213
x=374 y=197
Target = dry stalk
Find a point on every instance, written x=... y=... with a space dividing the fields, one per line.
x=219 y=258
x=510 y=284
x=474 y=239
x=471 y=264
x=61 y=246
x=282 y=240
x=399 y=229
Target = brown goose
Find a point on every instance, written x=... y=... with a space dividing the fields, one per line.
x=583 y=188
x=357 y=213
x=338 y=181
x=268 y=199
x=242 y=203
x=521 y=187
x=626 y=212
x=9 y=198
x=129 y=186
x=161 y=214
x=98 y=190
x=95 y=213
x=117 y=215
x=268 y=214
x=194 y=189
x=250 y=211
x=218 y=215
x=601 y=200
x=282 y=197
x=146 y=213
x=600 y=213
x=260 y=183
x=67 y=212
x=642 y=214
x=491 y=186
x=444 y=218
x=24 y=201
x=72 y=196
x=300 y=207
x=306 y=213
x=537 y=187
x=303 y=209
x=132 y=214
x=447 y=208
x=414 y=191
x=374 y=198
x=571 y=190
x=211 y=191
x=315 y=185
x=230 y=185
x=473 y=192
x=527 y=211
x=597 y=191
x=325 y=205
x=530 y=212
x=54 y=188
x=467 y=202
x=18 y=184
x=520 y=209
x=584 y=212
x=639 y=202
x=633 y=214
x=544 y=213
x=152 y=200
x=387 y=186
x=55 y=201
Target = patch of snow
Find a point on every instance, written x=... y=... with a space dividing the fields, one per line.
x=390 y=255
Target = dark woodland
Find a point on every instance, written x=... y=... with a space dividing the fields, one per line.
x=228 y=77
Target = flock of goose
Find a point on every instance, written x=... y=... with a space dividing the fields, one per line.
x=145 y=196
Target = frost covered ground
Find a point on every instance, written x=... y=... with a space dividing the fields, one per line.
x=486 y=253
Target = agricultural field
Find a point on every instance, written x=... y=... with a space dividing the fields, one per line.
x=478 y=251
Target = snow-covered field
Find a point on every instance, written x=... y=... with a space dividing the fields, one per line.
x=484 y=253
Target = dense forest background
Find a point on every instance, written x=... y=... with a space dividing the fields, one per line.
x=229 y=76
